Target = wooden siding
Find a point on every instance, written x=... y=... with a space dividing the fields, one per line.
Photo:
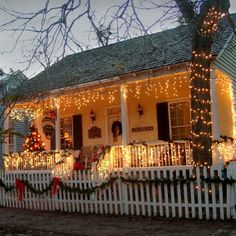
x=226 y=62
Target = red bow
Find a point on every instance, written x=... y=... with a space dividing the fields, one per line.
x=78 y=166
x=56 y=182
x=20 y=187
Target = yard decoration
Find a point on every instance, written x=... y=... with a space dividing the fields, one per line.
x=48 y=126
x=116 y=130
x=33 y=142
x=56 y=183
x=20 y=187
x=78 y=166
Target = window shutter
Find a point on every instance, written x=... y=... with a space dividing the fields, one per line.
x=163 y=121
x=77 y=132
x=53 y=141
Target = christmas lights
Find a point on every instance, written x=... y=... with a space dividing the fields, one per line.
x=156 y=87
x=33 y=141
x=51 y=160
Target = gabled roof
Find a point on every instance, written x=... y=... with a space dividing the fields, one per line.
x=142 y=53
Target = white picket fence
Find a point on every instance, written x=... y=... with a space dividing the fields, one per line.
x=195 y=199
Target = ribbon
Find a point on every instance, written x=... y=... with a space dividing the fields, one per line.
x=20 y=187
x=78 y=166
x=56 y=182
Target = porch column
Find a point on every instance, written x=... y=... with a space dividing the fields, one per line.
x=57 y=125
x=215 y=116
x=6 y=148
x=124 y=115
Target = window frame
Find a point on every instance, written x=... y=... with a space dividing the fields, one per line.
x=72 y=128
x=178 y=126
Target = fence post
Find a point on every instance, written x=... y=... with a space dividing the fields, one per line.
x=2 y=190
x=231 y=173
x=124 y=192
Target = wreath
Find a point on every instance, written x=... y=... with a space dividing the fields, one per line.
x=116 y=125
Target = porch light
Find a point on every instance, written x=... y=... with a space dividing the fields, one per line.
x=140 y=110
x=92 y=116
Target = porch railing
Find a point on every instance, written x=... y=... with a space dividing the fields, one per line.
x=148 y=155
x=46 y=160
x=138 y=155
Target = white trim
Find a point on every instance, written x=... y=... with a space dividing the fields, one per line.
x=57 y=125
x=178 y=101
x=124 y=114
x=214 y=106
x=106 y=118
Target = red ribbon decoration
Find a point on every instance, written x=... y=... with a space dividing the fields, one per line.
x=56 y=182
x=78 y=166
x=20 y=187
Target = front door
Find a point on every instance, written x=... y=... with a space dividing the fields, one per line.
x=163 y=121
x=77 y=132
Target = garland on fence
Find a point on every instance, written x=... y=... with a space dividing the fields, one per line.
x=53 y=186
x=56 y=183
x=178 y=180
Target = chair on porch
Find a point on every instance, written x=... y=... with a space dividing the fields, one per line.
x=85 y=156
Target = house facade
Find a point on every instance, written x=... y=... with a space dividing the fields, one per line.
x=9 y=84
x=132 y=92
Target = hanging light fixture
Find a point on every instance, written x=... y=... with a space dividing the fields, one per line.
x=92 y=116
x=140 y=110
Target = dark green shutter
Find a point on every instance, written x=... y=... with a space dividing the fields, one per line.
x=77 y=132
x=53 y=141
x=163 y=121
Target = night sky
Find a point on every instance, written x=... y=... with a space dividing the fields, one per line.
x=12 y=60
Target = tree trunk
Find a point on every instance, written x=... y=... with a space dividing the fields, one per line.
x=204 y=28
x=200 y=100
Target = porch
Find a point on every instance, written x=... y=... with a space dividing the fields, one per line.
x=145 y=121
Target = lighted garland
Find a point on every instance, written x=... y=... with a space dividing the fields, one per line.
x=35 y=160
x=155 y=86
x=111 y=180
x=100 y=154
x=26 y=114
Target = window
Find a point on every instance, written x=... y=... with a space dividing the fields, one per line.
x=12 y=136
x=179 y=120
x=66 y=133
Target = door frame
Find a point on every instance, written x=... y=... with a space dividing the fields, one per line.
x=107 y=120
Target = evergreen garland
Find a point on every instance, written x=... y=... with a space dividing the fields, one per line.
x=111 y=180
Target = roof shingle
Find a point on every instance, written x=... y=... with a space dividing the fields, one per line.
x=146 y=52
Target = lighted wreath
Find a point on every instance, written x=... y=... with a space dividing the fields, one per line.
x=116 y=128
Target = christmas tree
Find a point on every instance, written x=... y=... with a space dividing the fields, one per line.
x=33 y=141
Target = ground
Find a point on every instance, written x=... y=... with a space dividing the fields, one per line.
x=27 y=222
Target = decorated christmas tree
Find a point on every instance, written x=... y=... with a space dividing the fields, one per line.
x=33 y=141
